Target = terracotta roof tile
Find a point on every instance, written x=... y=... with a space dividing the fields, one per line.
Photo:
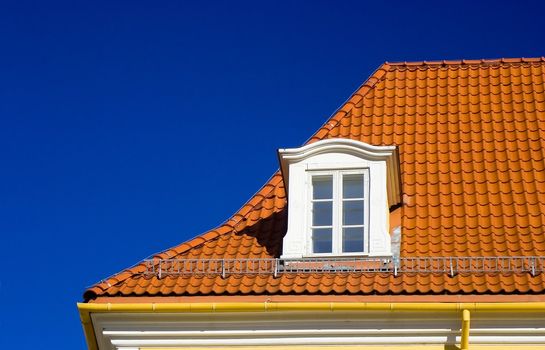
x=472 y=154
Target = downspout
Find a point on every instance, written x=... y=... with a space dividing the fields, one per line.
x=88 y=329
x=464 y=342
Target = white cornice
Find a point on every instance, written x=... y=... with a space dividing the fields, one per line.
x=362 y=150
x=122 y=331
x=354 y=147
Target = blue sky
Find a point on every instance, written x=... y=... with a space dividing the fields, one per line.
x=129 y=127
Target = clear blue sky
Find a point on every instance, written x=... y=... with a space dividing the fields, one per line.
x=129 y=127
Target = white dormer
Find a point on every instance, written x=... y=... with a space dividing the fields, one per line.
x=339 y=194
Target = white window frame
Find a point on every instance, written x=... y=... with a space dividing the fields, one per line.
x=339 y=155
x=337 y=226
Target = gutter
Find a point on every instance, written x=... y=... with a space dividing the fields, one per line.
x=86 y=309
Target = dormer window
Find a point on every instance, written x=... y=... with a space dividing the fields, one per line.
x=339 y=194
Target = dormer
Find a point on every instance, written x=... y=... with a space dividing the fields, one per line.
x=339 y=194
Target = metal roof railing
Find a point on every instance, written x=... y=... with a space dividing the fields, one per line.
x=394 y=265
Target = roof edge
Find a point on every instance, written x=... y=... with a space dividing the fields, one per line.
x=355 y=97
x=481 y=61
x=230 y=224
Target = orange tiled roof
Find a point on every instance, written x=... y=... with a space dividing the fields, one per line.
x=472 y=151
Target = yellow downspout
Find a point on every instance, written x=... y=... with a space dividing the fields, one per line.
x=464 y=342
x=88 y=329
x=86 y=309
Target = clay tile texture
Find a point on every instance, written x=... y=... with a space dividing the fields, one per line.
x=471 y=139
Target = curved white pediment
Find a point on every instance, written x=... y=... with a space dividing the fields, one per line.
x=348 y=146
x=340 y=146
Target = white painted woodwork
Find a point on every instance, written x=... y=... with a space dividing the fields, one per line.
x=133 y=331
x=381 y=163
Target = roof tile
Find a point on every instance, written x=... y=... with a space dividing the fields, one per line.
x=472 y=151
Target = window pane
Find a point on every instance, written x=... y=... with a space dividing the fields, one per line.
x=321 y=240
x=353 y=186
x=352 y=239
x=352 y=212
x=322 y=213
x=322 y=187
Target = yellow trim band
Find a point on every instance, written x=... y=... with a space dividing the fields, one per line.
x=302 y=306
x=359 y=347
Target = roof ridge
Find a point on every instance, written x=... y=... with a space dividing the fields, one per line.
x=460 y=62
x=223 y=228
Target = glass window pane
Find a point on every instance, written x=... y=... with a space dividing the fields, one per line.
x=321 y=240
x=322 y=187
x=352 y=239
x=352 y=212
x=322 y=213
x=353 y=186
